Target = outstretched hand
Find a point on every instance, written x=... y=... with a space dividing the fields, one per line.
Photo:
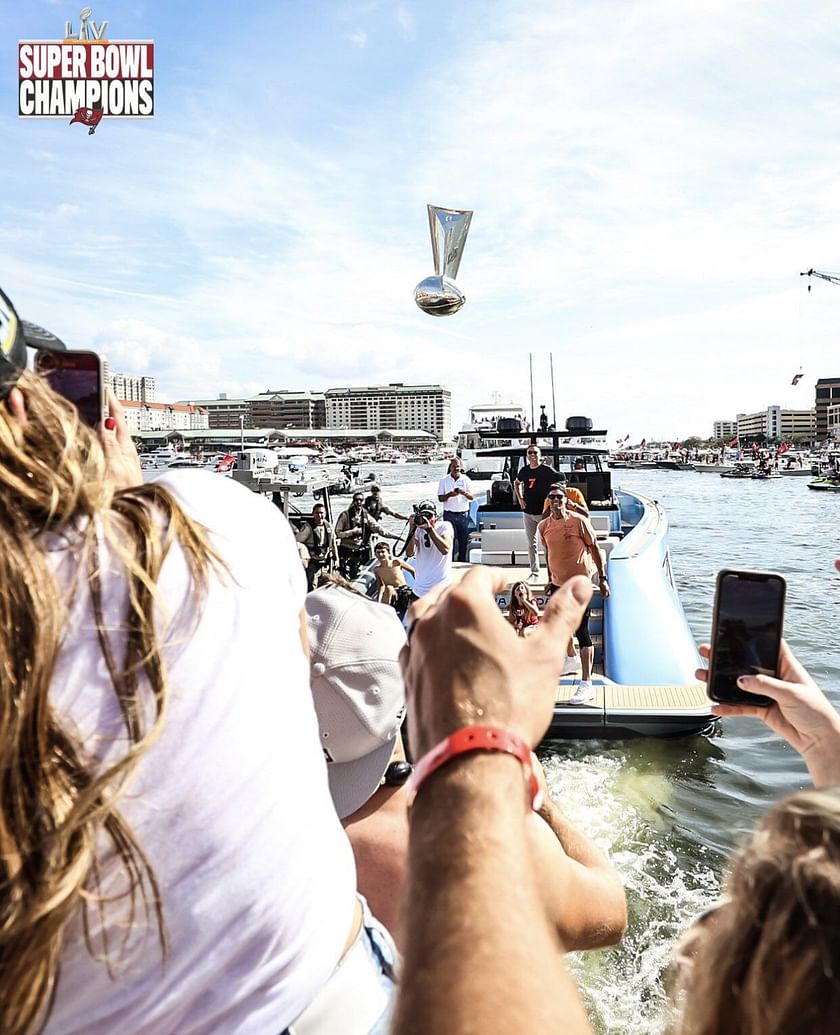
x=464 y=664
x=801 y=714
x=117 y=444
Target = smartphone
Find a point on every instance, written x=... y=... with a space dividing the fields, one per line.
x=77 y=375
x=746 y=633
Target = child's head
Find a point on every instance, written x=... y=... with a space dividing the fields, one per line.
x=382 y=550
x=519 y=591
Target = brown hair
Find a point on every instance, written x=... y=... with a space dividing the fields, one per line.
x=768 y=962
x=54 y=801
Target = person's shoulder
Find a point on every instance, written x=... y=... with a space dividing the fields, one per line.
x=216 y=501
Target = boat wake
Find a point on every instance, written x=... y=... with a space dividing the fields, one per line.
x=624 y=808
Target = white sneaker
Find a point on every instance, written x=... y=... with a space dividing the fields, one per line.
x=584 y=692
x=571 y=664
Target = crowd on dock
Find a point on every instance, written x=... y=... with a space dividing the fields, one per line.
x=208 y=819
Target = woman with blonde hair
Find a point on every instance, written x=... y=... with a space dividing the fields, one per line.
x=170 y=860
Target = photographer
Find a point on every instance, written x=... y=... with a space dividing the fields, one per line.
x=430 y=542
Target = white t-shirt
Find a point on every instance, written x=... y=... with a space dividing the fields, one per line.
x=457 y=504
x=431 y=567
x=230 y=804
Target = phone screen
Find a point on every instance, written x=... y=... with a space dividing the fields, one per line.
x=78 y=377
x=747 y=633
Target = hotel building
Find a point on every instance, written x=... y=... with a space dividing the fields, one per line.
x=224 y=412
x=777 y=424
x=827 y=396
x=724 y=430
x=394 y=406
x=133 y=387
x=140 y=416
x=284 y=409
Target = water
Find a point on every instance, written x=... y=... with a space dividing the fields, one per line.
x=669 y=812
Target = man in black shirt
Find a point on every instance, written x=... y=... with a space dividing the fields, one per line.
x=532 y=484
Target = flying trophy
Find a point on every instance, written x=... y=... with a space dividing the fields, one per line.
x=439 y=295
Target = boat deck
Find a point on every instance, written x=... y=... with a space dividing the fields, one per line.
x=616 y=710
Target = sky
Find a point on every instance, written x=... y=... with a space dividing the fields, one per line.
x=648 y=181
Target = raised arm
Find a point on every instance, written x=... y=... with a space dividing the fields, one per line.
x=442 y=540
x=482 y=953
x=801 y=714
x=580 y=888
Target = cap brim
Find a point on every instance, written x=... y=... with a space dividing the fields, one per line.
x=40 y=338
x=352 y=783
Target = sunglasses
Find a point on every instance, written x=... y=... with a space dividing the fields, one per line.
x=556 y=495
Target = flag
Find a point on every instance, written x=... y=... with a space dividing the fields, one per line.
x=643 y=443
x=796 y=379
x=88 y=117
x=626 y=438
x=783 y=448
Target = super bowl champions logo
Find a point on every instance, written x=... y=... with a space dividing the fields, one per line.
x=85 y=76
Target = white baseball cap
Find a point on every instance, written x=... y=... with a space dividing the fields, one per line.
x=357 y=685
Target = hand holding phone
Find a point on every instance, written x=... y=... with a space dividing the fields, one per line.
x=76 y=375
x=746 y=634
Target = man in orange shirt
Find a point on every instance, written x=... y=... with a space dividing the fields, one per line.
x=572 y=549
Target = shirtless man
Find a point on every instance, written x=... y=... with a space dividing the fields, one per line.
x=393 y=589
x=572 y=549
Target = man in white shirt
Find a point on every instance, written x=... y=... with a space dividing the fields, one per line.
x=430 y=542
x=455 y=492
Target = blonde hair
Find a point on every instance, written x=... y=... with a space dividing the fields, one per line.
x=768 y=961
x=54 y=801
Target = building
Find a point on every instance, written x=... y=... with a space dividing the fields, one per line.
x=777 y=425
x=395 y=406
x=142 y=417
x=133 y=387
x=224 y=412
x=724 y=430
x=284 y=409
x=833 y=422
x=827 y=394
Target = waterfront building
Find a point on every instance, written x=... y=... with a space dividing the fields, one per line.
x=144 y=417
x=224 y=412
x=827 y=395
x=285 y=409
x=133 y=387
x=724 y=430
x=394 y=406
x=776 y=424
x=229 y=439
x=833 y=421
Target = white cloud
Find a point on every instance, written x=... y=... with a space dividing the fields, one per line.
x=359 y=38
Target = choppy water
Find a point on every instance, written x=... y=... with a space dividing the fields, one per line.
x=669 y=812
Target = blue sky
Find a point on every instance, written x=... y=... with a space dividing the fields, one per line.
x=648 y=180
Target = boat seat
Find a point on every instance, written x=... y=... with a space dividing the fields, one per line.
x=506 y=547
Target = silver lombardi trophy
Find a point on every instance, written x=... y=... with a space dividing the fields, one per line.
x=439 y=295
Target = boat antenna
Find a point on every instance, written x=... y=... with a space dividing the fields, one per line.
x=531 y=369
x=553 y=404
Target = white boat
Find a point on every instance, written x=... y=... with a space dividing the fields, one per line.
x=645 y=654
x=486 y=429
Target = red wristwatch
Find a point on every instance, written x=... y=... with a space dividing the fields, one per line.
x=475 y=738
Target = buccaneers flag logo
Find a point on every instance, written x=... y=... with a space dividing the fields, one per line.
x=88 y=117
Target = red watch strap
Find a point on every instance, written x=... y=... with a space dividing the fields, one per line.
x=475 y=738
